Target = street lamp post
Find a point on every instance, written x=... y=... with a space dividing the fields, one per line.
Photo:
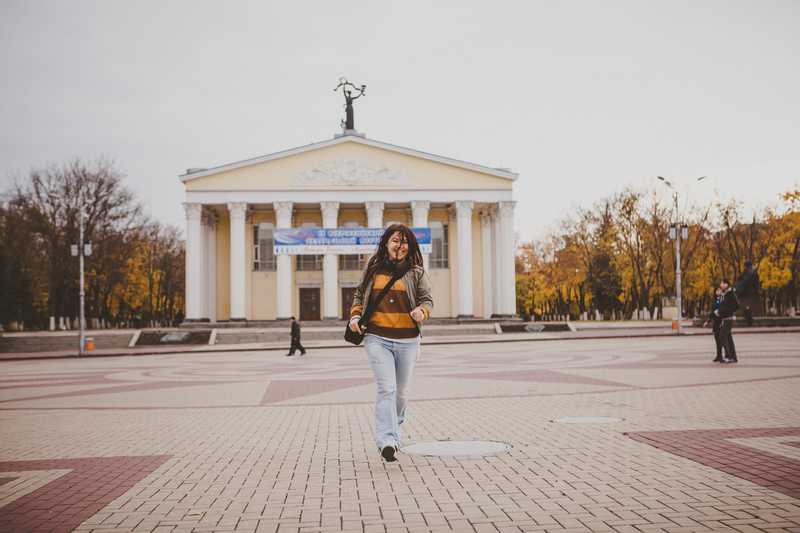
x=81 y=293
x=678 y=236
x=80 y=250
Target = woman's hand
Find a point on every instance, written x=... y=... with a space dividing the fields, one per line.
x=418 y=315
x=354 y=327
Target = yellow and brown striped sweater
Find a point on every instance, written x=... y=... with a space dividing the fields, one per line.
x=392 y=318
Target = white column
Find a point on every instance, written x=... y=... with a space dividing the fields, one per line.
x=194 y=259
x=419 y=217
x=203 y=267
x=486 y=259
x=452 y=257
x=497 y=271
x=374 y=214
x=330 y=265
x=508 y=289
x=464 y=222
x=283 y=220
x=210 y=219
x=237 y=211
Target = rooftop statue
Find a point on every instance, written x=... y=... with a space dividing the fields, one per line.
x=349 y=122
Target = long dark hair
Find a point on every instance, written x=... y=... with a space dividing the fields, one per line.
x=381 y=255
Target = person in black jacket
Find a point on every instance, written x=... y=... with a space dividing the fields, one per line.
x=295 y=339
x=727 y=307
x=716 y=322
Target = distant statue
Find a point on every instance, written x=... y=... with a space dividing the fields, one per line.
x=748 y=283
x=349 y=122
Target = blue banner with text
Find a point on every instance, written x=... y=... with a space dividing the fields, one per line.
x=313 y=241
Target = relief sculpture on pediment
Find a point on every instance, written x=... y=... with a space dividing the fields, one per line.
x=350 y=172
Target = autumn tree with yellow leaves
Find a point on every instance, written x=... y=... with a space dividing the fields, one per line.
x=616 y=258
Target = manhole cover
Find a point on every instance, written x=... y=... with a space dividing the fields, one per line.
x=455 y=448
x=588 y=420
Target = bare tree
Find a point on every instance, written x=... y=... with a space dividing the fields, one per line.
x=57 y=195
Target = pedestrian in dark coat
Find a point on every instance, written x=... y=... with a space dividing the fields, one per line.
x=727 y=307
x=716 y=323
x=295 y=339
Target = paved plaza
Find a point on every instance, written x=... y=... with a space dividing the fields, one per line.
x=256 y=441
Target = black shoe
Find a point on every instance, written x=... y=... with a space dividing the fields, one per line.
x=717 y=360
x=303 y=353
x=289 y=354
x=388 y=452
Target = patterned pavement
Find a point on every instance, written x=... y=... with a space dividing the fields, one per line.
x=255 y=441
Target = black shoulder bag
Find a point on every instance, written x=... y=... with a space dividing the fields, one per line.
x=354 y=337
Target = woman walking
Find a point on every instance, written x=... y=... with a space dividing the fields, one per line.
x=392 y=331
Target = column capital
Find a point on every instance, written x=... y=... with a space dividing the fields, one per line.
x=506 y=208
x=193 y=211
x=283 y=214
x=374 y=209
x=464 y=208
x=486 y=218
x=237 y=209
x=210 y=217
x=451 y=211
x=419 y=209
x=330 y=213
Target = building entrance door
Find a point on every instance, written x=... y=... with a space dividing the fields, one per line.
x=348 y=293
x=309 y=304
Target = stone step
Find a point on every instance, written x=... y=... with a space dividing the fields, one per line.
x=248 y=336
x=61 y=341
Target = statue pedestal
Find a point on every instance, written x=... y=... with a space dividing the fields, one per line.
x=754 y=302
x=349 y=132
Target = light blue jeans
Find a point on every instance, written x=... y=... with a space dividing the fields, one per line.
x=392 y=363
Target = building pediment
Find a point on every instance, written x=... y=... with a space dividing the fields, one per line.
x=348 y=162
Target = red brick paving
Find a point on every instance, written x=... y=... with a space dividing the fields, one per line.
x=279 y=391
x=65 y=503
x=715 y=449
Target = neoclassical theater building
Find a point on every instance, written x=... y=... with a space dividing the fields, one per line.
x=234 y=275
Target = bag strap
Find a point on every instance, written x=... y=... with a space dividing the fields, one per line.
x=399 y=273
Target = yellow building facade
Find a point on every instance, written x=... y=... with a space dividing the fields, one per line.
x=233 y=275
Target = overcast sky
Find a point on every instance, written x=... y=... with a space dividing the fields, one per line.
x=580 y=98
